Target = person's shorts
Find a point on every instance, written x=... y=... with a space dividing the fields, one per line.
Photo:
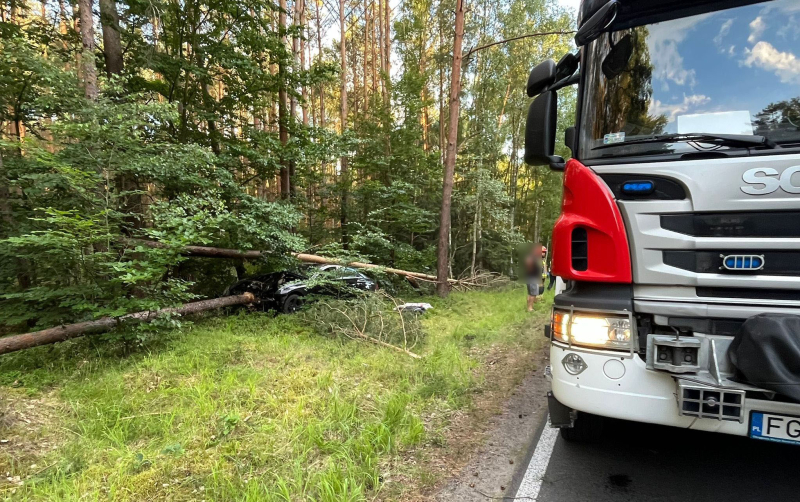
x=534 y=288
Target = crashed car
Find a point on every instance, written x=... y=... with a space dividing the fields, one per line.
x=286 y=291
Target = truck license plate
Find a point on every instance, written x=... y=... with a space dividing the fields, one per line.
x=774 y=427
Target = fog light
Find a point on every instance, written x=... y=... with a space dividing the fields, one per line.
x=574 y=364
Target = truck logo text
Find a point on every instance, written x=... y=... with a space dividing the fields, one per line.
x=765 y=180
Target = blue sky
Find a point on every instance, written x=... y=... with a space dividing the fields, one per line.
x=739 y=59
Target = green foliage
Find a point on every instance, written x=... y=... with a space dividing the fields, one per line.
x=183 y=147
x=90 y=178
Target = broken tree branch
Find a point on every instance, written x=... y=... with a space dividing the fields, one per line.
x=61 y=333
x=512 y=39
x=360 y=334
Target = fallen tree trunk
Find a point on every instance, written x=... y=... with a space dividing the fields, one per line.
x=212 y=252
x=312 y=258
x=204 y=251
x=60 y=333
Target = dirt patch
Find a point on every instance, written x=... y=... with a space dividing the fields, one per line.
x=484 y=446
x=28 y=432
x=502 y=445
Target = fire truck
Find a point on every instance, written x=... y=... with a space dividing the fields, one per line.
x=679 y=232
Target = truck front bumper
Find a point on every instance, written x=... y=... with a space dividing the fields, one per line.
x=619 y=386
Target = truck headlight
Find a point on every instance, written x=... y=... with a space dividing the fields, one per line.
x=592 y=330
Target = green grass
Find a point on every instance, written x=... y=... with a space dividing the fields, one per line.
x=252 y=407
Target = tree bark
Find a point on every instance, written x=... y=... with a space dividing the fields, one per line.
x=283 y=132
x=345 y=174
x=381 y=48
x=443 y=286
x=304 y=90
x=112 y=47
x=387 y=42
x=61 y=333
x=319 y=60
x=87 y=55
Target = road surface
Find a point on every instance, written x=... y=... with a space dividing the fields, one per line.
x=639 y=462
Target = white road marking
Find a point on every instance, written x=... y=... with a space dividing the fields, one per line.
x=532 y=482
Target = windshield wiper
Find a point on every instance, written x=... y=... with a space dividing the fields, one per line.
x=732 y=140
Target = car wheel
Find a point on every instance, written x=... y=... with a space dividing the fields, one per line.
x=587 y=428
x=292 y=303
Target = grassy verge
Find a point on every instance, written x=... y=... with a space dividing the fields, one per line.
x=254 y=407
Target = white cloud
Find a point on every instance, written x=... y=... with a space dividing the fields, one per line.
x=791 y=30
x=757 y=27
x=782 y=6
x=785 y=64
x=689 y=103
x=723 y=32
x=663 y=40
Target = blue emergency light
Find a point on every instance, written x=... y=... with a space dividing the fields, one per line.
x=638 y=187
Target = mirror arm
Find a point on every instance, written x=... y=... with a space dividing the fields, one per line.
x=565 y=82
x=557 y=163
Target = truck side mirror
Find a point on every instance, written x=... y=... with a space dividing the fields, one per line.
x=540 y=132
x=541 y=77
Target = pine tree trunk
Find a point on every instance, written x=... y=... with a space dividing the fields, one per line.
x=345 y=174
x=380 y=47
x=297 y=6
x=319 y=60
x=443 y=286
x=373 y=58
x=475 y=223
x=387 y=40
x=513 y=184
x=89 y=70
x=283 y=132
x=112 y=47
x=304 y=90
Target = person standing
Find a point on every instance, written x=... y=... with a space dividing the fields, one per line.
x=534 y=274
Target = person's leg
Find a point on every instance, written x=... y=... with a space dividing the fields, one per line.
x=531 y=294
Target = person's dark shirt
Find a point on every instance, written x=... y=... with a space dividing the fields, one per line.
x=534 y=269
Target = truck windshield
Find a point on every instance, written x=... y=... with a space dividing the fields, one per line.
x=732 y=72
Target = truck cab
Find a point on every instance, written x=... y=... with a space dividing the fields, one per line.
x=679 y=235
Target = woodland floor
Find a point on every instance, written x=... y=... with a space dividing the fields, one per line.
x=254 y=407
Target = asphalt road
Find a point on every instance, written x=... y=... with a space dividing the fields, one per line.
x=641 y=462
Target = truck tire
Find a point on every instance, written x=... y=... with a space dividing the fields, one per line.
x=588 y=428
x=292 y=303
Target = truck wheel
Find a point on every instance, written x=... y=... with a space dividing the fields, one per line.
x=292 y=303
x=588 y=428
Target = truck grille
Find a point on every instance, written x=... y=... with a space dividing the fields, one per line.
x=749 y=293
x=580 y=249
x=710 y=262
x=696 y=400
x=751 y=224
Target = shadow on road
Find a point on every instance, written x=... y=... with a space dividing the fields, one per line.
x=648 y=463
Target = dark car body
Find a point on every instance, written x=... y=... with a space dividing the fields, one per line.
x=285 y=291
